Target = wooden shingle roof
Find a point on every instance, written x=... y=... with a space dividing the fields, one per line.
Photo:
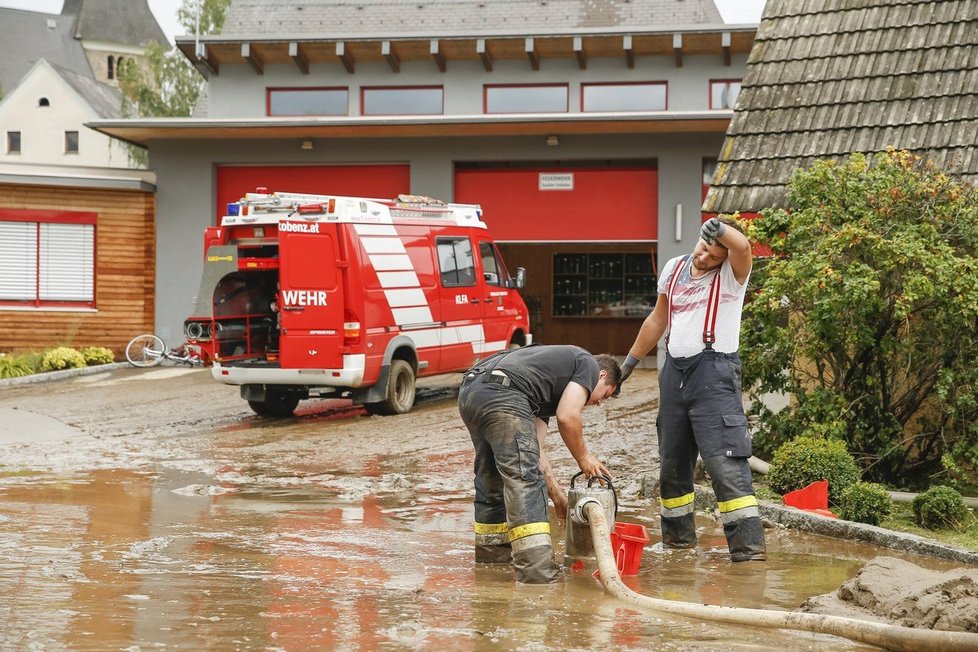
x=827 y=78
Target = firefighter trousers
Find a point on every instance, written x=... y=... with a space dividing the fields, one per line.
x=511 y=518
x=701 y=413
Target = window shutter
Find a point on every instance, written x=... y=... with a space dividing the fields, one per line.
x=67 y=262
x=18 y=261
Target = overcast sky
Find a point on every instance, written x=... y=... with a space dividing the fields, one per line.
x=733 y=11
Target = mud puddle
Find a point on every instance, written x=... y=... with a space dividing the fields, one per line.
x=173 y=517
x=119 y=559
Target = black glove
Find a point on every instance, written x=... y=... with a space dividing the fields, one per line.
x=712 y=229
x=627 y=367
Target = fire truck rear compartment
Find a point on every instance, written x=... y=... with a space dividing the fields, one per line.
x=244 y=324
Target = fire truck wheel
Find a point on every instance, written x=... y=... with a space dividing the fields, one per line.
x=400 y=391
x=276 y=404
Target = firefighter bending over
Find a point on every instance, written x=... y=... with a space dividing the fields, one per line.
x=506 y=401
x=701 y=296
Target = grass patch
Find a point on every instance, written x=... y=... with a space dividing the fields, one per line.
x=901 y=520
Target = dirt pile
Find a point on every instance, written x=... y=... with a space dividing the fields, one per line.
x=895 y=591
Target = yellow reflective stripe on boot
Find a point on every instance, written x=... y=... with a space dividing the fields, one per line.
x=529 y=529
x=491 y=528
x=491 y=534
x=675 y=507
x=530 y=535
x=736 y=509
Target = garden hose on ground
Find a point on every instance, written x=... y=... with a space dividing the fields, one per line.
x=891 y=637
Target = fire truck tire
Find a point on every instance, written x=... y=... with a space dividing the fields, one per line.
x=276 y=404
x=400 y=391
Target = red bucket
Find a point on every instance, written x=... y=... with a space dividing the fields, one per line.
x=627 y=542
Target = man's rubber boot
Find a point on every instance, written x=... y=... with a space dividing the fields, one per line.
x=494 y=554
x=745 y=539
x=536 y=565
x=679 y=533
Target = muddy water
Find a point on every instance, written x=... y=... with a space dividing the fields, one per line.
x=215 y=529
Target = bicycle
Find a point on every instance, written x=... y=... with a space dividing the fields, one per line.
x=148 y=350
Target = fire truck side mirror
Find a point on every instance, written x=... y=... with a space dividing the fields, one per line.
x=520 y=279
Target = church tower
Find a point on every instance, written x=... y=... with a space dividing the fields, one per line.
x=113 y=33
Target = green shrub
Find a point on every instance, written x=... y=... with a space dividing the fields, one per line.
x=62 y=358
x=14 y=366
x=865 y=502
x=96 y=355
x=804 y=460
x=939 y=507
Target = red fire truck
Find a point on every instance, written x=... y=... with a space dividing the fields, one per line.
x=313 y=295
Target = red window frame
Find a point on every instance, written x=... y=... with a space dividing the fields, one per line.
x=656 y=82
x=721 y=81
x=271 y=89
x=485 y=95
x=39 y=217
x=429 y=87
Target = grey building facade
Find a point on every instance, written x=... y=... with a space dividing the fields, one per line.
x=585 y=129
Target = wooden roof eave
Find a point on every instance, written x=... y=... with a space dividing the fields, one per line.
x=209 y=53
x=142 y=131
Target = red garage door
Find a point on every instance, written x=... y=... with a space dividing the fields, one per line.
x=584 y=204
x=381 y=181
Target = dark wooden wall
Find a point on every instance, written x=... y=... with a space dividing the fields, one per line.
x=596 y=334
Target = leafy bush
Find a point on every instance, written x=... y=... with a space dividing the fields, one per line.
x=14 y=366
x=865 y=502
x=96 y=355
x=939 y=507
x=805 y=460
x=865 y=314
x=62 y=358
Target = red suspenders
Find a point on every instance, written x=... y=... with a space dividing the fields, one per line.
x=712 y=303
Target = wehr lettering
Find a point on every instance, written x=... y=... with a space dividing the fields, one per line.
x=304 y=297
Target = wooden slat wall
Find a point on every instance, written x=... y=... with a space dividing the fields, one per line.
x=596 y=334
x=125 y=272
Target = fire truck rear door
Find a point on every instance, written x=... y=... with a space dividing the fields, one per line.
x=310 y=296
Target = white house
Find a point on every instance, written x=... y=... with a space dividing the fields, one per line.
x=43 y=121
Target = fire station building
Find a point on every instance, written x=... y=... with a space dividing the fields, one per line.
x=586 y=130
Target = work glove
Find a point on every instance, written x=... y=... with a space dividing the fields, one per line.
x=626 y=370
x=712 y=229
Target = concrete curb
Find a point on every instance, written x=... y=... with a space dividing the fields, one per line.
x=848 y=530
x=61 y=375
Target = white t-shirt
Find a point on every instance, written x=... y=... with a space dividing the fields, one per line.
x=689 y=309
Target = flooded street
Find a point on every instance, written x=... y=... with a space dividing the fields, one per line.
x=151 y=509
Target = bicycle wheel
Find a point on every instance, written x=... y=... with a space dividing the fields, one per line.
x=145 y=350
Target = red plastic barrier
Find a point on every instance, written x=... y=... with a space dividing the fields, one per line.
x=813 y=498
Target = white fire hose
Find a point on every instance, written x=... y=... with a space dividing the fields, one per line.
x=891 y=637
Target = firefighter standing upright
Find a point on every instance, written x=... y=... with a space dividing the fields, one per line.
x=505 y=402
x=701 y=298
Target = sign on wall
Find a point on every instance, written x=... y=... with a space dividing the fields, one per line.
x=556 y=181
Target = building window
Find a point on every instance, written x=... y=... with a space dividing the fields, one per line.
x=71 y=142
x=455 y=262
x=723 y=93
x=13 y=142
x=43 y=102
x=308 y=101
x=509 y=98
x=47 y=258
x=709 y=169
x=402 y=100
x=111 y=66
x=641 y=96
